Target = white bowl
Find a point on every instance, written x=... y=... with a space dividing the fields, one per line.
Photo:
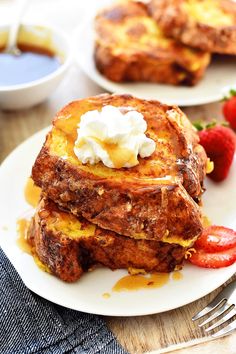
x=31 y=93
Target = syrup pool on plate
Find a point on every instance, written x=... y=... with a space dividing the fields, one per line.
x=32 y=196
x=22 y=227
x=150 y=281
x=32 y=193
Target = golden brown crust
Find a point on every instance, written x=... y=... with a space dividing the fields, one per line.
x=69 y=257
x=131 y=47
x=145 y=201
x=135 y=210
x=178 y=19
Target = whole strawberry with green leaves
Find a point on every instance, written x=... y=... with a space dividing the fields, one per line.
x=219 y=143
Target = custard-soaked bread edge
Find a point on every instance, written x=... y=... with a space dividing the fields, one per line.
x=69 y=257
x=173 y=64
x=175 y=21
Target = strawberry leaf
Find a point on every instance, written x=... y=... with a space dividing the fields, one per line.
x=199 y=125
x=211 y=124
x=232 y=92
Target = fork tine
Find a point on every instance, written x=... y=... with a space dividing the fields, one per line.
x=231 y=327
x=210 y=307
x=223 y=320
x=223 y=295
x=217 y=313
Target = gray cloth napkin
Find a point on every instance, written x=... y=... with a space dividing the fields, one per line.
x=31 y=324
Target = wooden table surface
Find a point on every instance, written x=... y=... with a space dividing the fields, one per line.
x=137 y=334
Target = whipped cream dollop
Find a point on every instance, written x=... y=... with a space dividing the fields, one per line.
x=113 y=137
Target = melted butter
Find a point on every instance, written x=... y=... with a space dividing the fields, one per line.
x=32 y=193
x=22 y=228
x=106 y=295
x=138 y=282
x=177 y=276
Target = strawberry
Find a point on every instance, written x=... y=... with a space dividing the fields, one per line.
x=229 y=109
x=213 y=260
x=219 y=143
x=216 y=239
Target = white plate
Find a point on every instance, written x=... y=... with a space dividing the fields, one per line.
x=86 y=294
x=218 y=79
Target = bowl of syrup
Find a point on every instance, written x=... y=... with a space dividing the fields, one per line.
x=30 y=77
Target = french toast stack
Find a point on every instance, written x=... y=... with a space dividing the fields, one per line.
x=142 y=218
x=165 y=41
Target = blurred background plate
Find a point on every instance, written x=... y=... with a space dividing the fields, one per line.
x=219 y=77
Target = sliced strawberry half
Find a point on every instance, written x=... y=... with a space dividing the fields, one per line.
x=216 y=239
x=213 y=260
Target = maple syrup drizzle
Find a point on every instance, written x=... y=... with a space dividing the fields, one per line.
x=32 y=193
x=138 y=282
x=206 y=221
x=32 y=197
x=22 y=228
x=119 y=156
x=177 y=276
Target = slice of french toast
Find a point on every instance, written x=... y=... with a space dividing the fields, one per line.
x=130 y=46
x=205 y=24
x=69 y=246
x=152 y=200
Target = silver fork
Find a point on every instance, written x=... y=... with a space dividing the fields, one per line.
x=222 y=310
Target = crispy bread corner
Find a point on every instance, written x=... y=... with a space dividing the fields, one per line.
x=186 y=21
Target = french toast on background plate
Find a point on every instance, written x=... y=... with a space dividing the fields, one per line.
x=209 y=25
x=131 y=46
x=69 y=246
x=153 y=200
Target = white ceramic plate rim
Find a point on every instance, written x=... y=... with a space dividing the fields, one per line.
x=103 y=307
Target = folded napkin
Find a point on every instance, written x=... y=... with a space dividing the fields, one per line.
x=31 y=324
